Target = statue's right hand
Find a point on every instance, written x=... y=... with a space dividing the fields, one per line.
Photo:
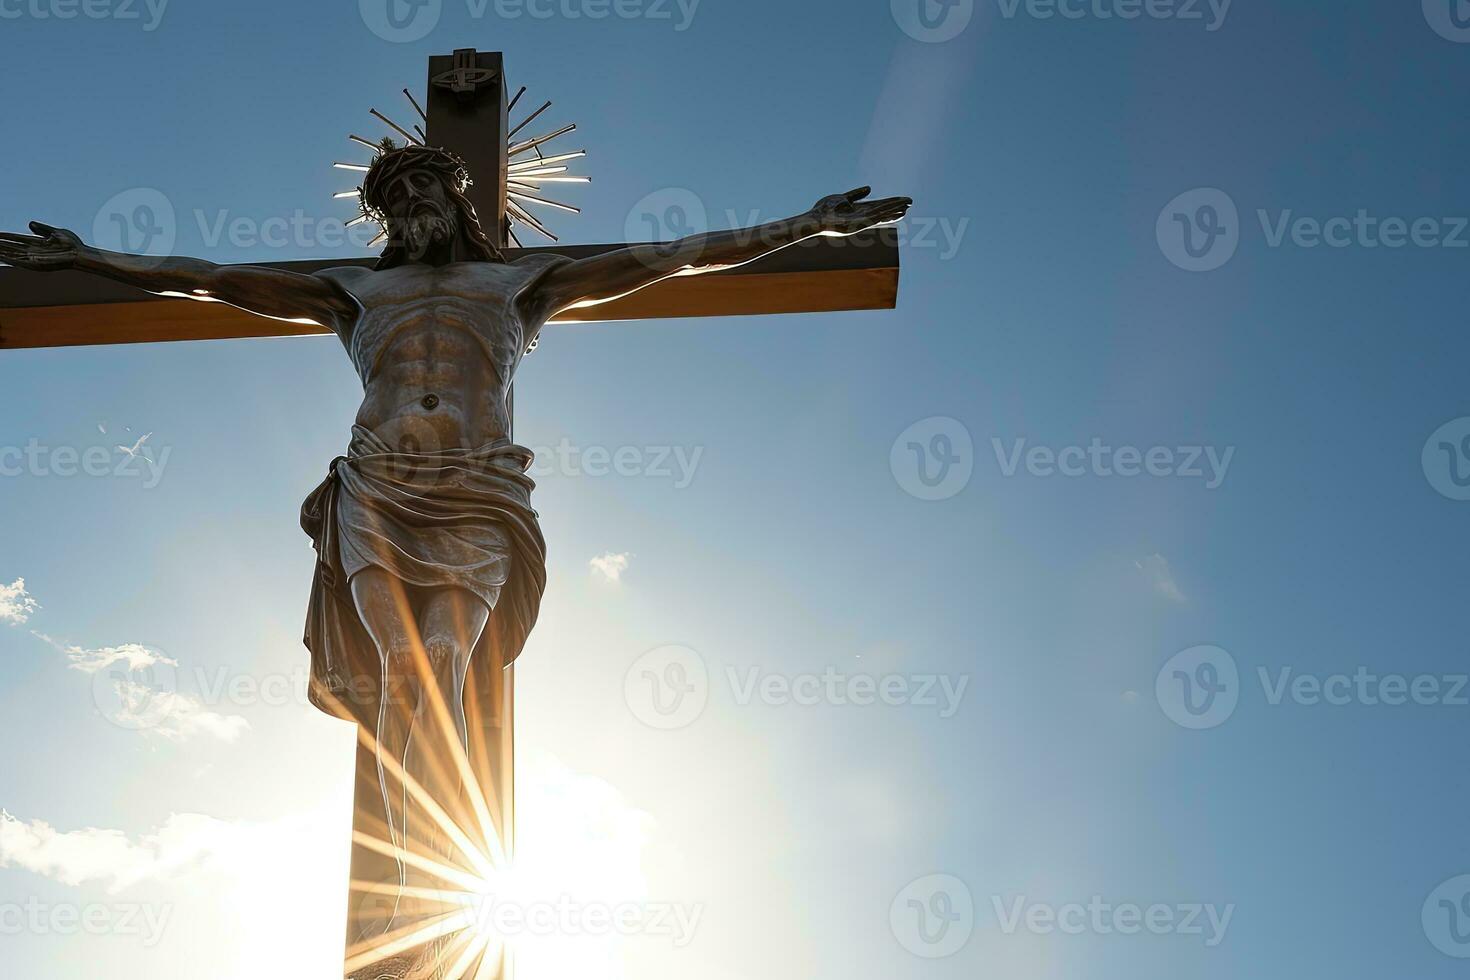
x=48 y=250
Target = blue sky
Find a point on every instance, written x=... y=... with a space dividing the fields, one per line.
x=1044 y=318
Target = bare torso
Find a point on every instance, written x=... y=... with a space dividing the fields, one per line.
x=437 y=348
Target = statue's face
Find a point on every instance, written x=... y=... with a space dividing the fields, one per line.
x=420 y=211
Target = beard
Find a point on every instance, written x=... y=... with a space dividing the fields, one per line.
x=429 y=226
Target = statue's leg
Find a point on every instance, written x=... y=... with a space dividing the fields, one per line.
x=384 y=608
x=453 y=620
x=450 y=621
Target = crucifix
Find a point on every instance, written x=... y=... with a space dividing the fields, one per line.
x=430 y=560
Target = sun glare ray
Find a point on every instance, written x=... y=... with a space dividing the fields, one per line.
x=439 y=709
x=413 y=859
x=402 y=940
x=474 y=946
x=390 y=889
x=483 y=864
x=479 y=861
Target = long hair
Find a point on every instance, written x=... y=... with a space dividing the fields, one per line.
x=450 y=171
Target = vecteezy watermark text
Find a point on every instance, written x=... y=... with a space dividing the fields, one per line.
x=669 y=687
x=36 y=459
x=406 y=21
x=678 y=464
x=1201 y=687
x=1097 y=459
x=148 y=13
x=566 y=916
x=1201 y=230
x=833 y=687
x=38 y=918
x=1211 y=13
x=1104 y=918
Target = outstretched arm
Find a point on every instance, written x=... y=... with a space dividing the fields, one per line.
x=273 y=293
x=612 y=275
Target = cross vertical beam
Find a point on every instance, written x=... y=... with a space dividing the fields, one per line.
x=469 y=117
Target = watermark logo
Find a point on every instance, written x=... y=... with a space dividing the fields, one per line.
x=1208 y=464
x=941 y=692
x=933 y=459
x=146 y=923
x=563 y=916
x=933 y=21
x=135 y=462
x=1199 y=231
x=667 y=688
x=401 y=21
x=1211 y=13
x=148 y=13
x=1446 y=917
x=137 y=221
x=1446 y=459
x=1449 y=18
x=1199 y=688
x=296 y=230
x=676 y=464
x=136 y=692
x=933 y=917
x=678 y=12
x=1103 y=918
x=670 y=214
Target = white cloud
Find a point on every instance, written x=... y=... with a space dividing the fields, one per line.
x=143 y=707
x=170 y=715
x=611 y=566
x=134 y=655
x=16 y=604
x=1156 y=567
x=108 y=857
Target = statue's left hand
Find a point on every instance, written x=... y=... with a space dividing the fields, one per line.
x=50 y=249
x=850 y=213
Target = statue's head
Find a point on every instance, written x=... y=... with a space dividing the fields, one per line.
x=417 y=193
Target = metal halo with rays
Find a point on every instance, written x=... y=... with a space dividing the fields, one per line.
x=529 y=167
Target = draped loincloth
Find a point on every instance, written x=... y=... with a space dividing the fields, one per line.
x=456 y=517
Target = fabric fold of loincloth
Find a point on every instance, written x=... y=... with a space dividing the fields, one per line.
x=455 y=517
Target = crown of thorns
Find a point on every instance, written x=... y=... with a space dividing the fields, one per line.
x=393 y=161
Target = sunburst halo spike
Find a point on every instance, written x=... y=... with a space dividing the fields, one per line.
x=417 y=108
x=529 y=119
x=551 y=204
x=401 y=131
x=525 y=216
x=533 y=164
x=520 y=148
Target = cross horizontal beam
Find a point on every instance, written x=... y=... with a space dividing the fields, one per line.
x=73 y=309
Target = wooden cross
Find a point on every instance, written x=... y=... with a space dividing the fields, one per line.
x=467 y=112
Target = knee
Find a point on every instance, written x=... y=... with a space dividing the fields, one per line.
x=444 y=653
